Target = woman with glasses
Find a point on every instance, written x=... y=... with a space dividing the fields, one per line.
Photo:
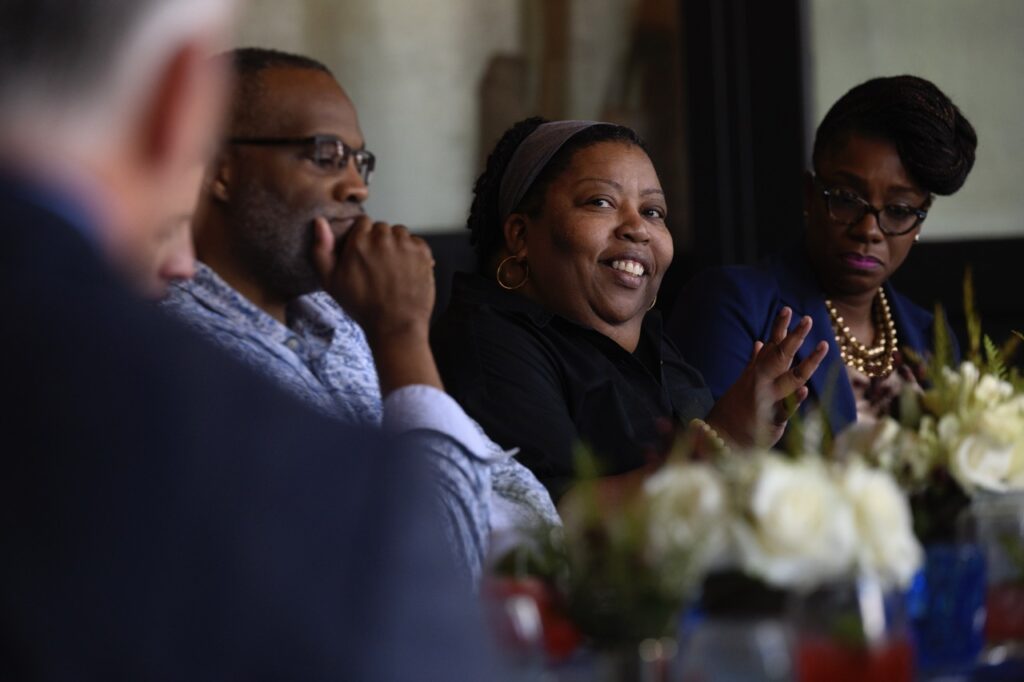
x=553 y=342
x=881 y=154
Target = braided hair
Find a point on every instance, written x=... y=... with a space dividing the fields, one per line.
x=484 y=222
x=935 y=142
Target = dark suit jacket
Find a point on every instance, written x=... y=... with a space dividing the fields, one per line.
x=723 y=311
x=168 y=515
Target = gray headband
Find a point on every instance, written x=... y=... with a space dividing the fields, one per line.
x=530 y=158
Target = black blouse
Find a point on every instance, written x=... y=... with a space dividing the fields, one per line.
x=539 y=382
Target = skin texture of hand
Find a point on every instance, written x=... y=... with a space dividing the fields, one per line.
x=383 y=277
x=755 y=409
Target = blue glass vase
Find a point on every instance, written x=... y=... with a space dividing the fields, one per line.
x=947 y=608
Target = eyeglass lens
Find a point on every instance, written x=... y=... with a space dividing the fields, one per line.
x=892 y=219
x=338 y=154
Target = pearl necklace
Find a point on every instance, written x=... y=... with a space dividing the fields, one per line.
x=875 y=362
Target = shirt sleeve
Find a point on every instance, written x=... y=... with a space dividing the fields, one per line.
x=482 y=490
x=425 y=408
x=459 y=456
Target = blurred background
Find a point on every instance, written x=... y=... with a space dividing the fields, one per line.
x=726 y=92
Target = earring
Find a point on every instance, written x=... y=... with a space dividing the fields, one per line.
x=917 y=237
x=498 y=274
x=651 y=307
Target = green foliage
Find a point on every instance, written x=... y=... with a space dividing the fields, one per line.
x=981 y=349
x=994 y=361
x=942 y=348
x=600 y=567
x=973 y=318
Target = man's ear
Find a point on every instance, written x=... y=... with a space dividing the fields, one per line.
x=515 y=231
x=181 y=117
x=166 y=128
x=217 y=183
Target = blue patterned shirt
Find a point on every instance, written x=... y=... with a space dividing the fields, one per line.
x=322 y=356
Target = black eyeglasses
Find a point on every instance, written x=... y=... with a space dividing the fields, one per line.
x=847 y=208
x=326 y=150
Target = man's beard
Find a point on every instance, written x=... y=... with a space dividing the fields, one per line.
x=275 y=242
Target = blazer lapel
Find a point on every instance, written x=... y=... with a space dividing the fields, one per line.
x=912 y=326
x=829 y=385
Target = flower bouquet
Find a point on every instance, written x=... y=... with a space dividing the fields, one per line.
x=624 y=572
x=834 y=536
x=957 y=448
x=617 y=570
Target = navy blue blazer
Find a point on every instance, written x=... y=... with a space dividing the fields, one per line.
x=167 y=514
x=723 y=311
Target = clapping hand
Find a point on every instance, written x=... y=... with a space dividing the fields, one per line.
x=755 y=409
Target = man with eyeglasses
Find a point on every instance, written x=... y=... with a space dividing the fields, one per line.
x=296 y=280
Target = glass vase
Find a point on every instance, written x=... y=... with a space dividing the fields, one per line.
x=852 y=632
x=651 y=660
x=737 y=649
x=739 y=632
x=947 y=608
x=998 y=525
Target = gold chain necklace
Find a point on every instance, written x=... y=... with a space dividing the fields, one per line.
x=877 y=361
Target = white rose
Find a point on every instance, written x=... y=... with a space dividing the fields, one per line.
x=951 y=376
x=800 y=531
x=877 y=441
x=960 y=384
x=920 y=451
x=948 y=430
x=969 y=375
x=888 y=550
x=991 y=391
x=1004 y=422
x=981 y=462
x=688 y=510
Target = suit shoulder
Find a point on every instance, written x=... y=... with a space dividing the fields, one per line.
x=734 y=287
x=920 y=315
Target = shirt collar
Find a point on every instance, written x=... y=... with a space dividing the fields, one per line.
x=305 y=315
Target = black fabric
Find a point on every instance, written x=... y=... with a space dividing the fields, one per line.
x=542 y=383
x=166 y=514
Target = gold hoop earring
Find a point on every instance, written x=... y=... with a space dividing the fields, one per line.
x=497 y=274
x=651 y=307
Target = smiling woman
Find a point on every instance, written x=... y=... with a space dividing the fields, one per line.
x=881 y=153
x=598 y=251
x=553 y=342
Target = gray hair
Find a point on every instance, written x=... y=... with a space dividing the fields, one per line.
x=79 y=63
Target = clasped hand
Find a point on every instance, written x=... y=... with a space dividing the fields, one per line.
x=381 y=275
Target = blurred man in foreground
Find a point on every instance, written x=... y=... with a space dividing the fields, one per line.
x=164 y=512
x=297 y=281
